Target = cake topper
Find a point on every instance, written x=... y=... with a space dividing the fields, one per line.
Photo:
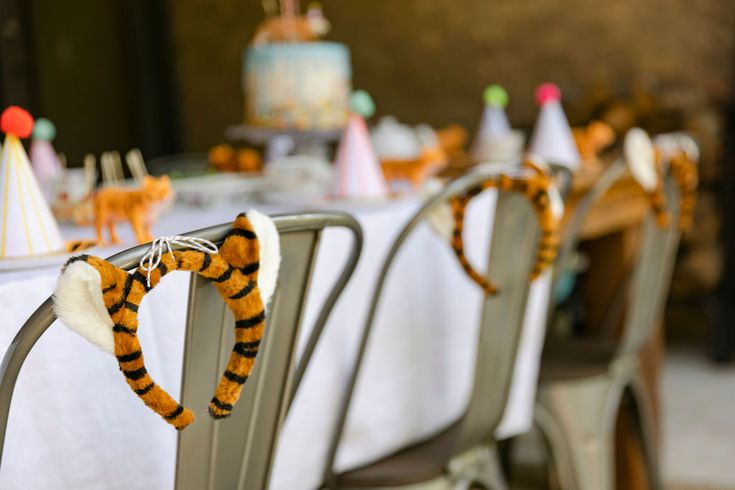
x=290 y=26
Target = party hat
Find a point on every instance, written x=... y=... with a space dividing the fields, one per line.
x=494 y=121
x=358 y=172
x=44 y=159
x=552 y=137
x=495 y=138
x=27 y=226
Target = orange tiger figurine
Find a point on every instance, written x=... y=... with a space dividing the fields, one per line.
x=547 y=203
x=110 y=319
x=592 y=139
x=138 y=206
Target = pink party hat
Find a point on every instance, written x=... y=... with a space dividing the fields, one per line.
x=552 y=138
x=27 y=226
x=358 y=173
x=44 y=159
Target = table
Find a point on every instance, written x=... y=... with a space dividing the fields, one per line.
x=75 y=424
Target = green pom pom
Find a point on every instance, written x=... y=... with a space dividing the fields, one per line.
x=495 y=95
x=361 y=103
x=44 y=130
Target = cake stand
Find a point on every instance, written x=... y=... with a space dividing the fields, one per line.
x=279 y=142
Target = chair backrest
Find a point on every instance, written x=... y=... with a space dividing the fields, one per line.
x=511 y=255
x=236 y=452
x=512 y=251
x=652 y=274
x=570 y=238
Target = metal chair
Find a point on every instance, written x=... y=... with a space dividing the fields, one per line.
x=463 y=453
x=239 y=450
x=582 y=382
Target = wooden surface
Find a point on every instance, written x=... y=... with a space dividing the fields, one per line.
x=622 y=208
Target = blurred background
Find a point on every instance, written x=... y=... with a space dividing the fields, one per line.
x=166 y=77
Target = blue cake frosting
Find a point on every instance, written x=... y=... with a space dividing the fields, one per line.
x=297 y=85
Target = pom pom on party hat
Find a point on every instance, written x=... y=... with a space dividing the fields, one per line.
x=44 y=159
x=552 y=138
x=27 y=226
x=495 y=139
x=357 y=169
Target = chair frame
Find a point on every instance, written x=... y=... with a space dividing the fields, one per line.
x=241 y=447
x=578 y=416
x=515 y=223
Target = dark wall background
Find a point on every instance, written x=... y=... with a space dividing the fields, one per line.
x=100 y=69
x=661 y=64
x=428 y=60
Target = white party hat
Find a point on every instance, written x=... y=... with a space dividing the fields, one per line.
x=494 y=121
x=496 y=140
x=358 y=172
x=552 y=137
x=27 y=226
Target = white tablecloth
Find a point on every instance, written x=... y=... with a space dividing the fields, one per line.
x=74 y=423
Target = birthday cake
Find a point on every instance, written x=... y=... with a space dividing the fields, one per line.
x=299 y=85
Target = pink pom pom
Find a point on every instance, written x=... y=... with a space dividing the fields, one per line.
x=16 y=121
x=547 y=92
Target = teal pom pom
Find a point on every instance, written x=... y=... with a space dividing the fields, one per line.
x=495 y=95
x=361 y=103
x=44 y=130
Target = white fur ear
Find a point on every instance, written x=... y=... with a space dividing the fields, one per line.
x=441 y=220
x=270 y=253
x=78 y=303
x=556 y=202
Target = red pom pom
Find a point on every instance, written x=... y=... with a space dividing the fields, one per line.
x=17 y=121
x=547 y=92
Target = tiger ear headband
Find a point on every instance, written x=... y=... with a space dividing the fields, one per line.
x=535 y=184
x=100 y=302
x=681 y=153
x=676 y=153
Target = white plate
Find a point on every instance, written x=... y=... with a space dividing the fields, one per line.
x=210 y=190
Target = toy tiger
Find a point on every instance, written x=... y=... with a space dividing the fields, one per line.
x=101 y=301
x=547 y=203
x=138 y=206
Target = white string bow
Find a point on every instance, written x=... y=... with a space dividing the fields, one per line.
x=152 y=257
